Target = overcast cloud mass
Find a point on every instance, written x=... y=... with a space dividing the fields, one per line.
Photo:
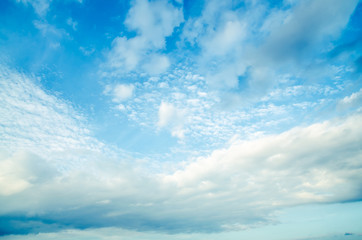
x=156 y=119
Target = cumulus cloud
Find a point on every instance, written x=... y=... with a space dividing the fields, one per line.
x=225 y=40
x=153 y=21
x=120 y=92
x=126 y=53
x=21 y=171
x=259 y=44
x=297 y=166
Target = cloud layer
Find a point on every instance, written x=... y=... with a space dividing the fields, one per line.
x=316 y=164
x=234 y=188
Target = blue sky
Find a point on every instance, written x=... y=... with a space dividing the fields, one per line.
x=180 y=119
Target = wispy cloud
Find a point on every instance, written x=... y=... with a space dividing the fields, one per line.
x=40 y=6
x=36 y=121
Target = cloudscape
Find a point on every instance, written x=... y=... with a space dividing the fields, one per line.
x=181 y=119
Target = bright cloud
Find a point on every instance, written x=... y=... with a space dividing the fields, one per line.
x=120 y=92
x=170 y=116
x=34 y=120
x=153 y=22
x=314 y=164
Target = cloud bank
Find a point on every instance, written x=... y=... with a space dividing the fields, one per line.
x=234 y=188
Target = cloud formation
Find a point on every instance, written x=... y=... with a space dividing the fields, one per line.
x=236 y=187
x=250 y=48
x=120 y=92
x=152 y=21
x=170 y=116
x=34 y=120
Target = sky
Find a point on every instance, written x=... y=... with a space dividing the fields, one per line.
x=181 y=119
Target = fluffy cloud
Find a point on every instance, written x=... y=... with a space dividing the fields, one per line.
x=153 y=22
x=170 y=116
x=252 y=48
x=21 y=171
x=225 y=40
x=120 y=92
x=298 y=166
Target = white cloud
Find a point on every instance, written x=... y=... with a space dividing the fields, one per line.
x=120 y=92
x=34 y=120
x=227 y=39
x=318 y=163
x=153 y=21
x=21 y=171
x=354 y=100
x=261 y=45
x=157 y=64
x=126 y=53
x=315 y=164
x=52 y=161
x=170 y=116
